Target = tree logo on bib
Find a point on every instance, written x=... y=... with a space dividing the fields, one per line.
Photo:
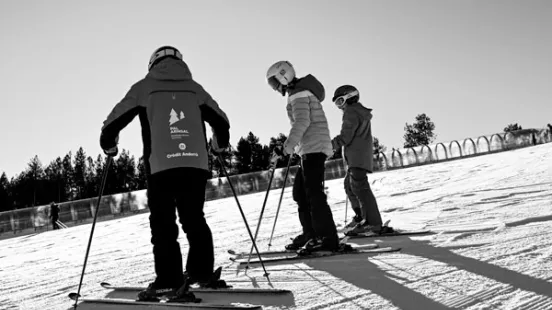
x=176 y=132
x=175 y=118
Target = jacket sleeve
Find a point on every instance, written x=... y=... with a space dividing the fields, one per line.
x=121 y=115
x=348 y=128
x=300 y=110
x=216 y=118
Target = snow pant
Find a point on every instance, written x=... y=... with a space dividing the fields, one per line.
x=361 y=197
x=315 y=214
x=54 y=223
x=182 y=189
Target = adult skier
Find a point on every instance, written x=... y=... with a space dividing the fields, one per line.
x=356 y=139
x=172 y=108
x=54 y=215
x=309 y=137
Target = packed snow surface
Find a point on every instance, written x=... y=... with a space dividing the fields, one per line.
x=492 y=246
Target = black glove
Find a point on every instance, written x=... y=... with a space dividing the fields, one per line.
x=215 y=148
x=112 y=151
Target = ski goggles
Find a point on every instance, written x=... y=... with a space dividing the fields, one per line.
x=276 y=85
x=340 y=101
x=164 y=53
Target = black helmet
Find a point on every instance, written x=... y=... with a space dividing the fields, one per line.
x=163 y=52
x=344 y=93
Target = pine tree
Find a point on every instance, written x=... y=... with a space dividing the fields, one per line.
x=512 y=127
x=141 y=178
x=126 y=172
x=5 y=203
x=68 y=175
x=243 y=156
x=79 y=173
x=378 y=147
x=419 y=133
x=35 y=173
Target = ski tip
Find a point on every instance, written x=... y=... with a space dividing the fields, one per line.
x=231 y=252
x=74 y=296
x=105 y=284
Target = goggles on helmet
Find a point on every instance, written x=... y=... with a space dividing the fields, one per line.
x=164 y=53
x=276 y=85
x=340 y=101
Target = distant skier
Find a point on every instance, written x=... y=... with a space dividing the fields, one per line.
x=309 y=137
x=172 y=108
x=356 y=139
x=54 y=215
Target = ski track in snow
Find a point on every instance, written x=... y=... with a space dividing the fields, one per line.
x=492 y=247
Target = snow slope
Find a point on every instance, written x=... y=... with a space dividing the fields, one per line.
x=492 y=249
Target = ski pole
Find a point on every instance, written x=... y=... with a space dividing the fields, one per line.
x=280 y=202
x=346 y=176
x=61 y=224
x=104 y=178
x=242 y=214
x=261 y=215
x=346 y=207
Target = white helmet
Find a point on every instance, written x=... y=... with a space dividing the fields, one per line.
x=162 y=52
x=279 y=75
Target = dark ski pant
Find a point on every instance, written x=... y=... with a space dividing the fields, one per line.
x=181 y=190
x=54 y=223
x=361 y=197
x=315 y=214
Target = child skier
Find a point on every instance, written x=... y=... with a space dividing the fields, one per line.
x=356 y=139
x=309 y=137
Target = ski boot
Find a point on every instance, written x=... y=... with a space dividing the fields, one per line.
x=155 y=292
x=356 y=219
x=213 y=282
x=319 y=245
x=298 y=242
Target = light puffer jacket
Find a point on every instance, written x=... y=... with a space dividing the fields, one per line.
x=309 y=127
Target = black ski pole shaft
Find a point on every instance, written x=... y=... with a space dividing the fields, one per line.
x=104 y=179
x=346 y=176
x=261 y=215
x=280 y=201
x=221 y=162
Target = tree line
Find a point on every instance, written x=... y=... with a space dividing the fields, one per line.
x=78 y=176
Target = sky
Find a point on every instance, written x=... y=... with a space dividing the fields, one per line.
x=472 y=66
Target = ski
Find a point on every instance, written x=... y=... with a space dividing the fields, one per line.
x=230 y=290
x=265 y=253
x=320 y=254
x=117 y=303
x=396 y=232
x=386 y=231
x=240 y=255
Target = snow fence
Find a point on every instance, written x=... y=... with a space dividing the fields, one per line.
x=123 y=204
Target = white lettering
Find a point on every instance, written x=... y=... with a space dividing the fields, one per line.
x=176 y=130
x=173 y=155
x=185 y=154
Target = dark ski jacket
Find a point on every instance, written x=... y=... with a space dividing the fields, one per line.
x=54 y=211
x=172 y=108
x=356 y=137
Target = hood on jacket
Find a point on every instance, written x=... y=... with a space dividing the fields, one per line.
x=311 y=84
x=170 y=69
x=362 y=110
